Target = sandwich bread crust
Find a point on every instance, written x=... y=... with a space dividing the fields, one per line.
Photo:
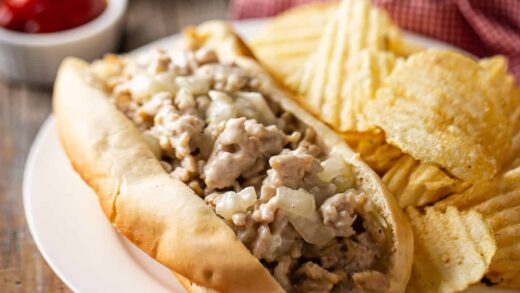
x=163 y=216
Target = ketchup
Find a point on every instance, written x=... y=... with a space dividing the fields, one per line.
x=46 y=16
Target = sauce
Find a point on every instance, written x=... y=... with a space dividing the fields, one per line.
x=46 y=16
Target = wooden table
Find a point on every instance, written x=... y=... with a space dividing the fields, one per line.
x=23 y=108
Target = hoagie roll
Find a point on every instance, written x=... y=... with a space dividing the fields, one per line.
x=204 y=163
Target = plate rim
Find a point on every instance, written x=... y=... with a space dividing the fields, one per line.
x=28 y=173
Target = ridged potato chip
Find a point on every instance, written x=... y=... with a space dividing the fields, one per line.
x=364 y=74
x=505 y=84
x=452 y=249
x=417 y=184
x=348 y=65
x=373 y=149
x=414 y=183
x=289 y=38
x=498 y=200
x=440 y=107
x=514 y=157
x=402 y=48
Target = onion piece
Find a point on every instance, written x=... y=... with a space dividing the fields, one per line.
x=221 y=108
x=300 y=208
x=335 y=170
x=142 y=87
x=167 y=81
x=194 y=84
x=253 y=105
x=231 y=202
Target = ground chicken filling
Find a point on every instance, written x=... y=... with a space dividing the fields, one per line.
x=292 y=204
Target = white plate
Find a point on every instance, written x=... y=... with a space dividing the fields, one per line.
x=70 y=229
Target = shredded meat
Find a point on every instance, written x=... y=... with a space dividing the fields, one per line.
x=283 y=240
x=247 y=233
x=295 y=169
x=331 y=255
x=315 y=278
x=371 y=280
x=361 y=253
x=338 y=212
x=241 y=150
x=264 y=245
x=214 y=127
x=266 y=211
x=178 y=133
x=146 y=113
x=224 y=78
x=281 y=272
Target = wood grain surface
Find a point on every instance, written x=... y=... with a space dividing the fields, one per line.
x=23 y=108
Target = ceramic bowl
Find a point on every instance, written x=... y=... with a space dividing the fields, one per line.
x=35 y=58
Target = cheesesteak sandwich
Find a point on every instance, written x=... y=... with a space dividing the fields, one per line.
x=205 y=164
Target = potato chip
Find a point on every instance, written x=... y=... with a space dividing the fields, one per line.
x=440 y=107
x=417 y=184
x=505 y=84
x=365 y=72
x=339 y=99
x=289 y=38
x=348 y=66
x=452 y=249
x=403 y=48
x=414 y=183
x=374 y=150
x=498 y=200
x=514 y=157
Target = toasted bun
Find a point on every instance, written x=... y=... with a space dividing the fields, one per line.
x=192 y=287
x=163 y=216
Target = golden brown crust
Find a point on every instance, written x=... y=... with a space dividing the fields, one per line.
x=163 y=216
x=191 y=287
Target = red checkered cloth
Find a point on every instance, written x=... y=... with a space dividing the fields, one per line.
x=482 y=27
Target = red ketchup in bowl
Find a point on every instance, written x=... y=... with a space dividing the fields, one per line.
x=47 y=16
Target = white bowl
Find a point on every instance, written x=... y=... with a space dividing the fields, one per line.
x=35 y=58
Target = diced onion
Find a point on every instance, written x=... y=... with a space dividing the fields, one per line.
x=195 y=84
x=253 y=105
x=332 y=167
x=167 y=81
x=105 y=69
x=335 y=170
x=301 y=212
x=221 y=108
x=312 y=231
x=231 y=202
x=298 y=202
x=142 y=87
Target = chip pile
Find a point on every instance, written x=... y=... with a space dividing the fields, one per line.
x=440 y=268
x=285 y=44
x=337 y=79
x=441 y=129
x=498 y=200
x=441 y=107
